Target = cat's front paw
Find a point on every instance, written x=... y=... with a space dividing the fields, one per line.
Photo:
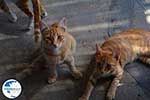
x=110 y=97
x=77 y=75
x=52 y=80
x=12 y=17
x=83 y=98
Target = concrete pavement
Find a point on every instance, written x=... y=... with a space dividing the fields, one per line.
x=88 y=21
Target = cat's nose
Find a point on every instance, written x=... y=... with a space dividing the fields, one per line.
x=55 y=45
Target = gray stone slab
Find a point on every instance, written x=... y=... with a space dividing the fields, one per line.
x=88 y=22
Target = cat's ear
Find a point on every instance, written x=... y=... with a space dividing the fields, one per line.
x=62 y=23
x=106 y=37
x=98 y=49
x=118 y=57
x=43 y=26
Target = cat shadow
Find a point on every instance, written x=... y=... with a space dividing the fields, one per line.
x=35 y=82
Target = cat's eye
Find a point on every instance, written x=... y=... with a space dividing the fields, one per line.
x=60 y=37
x=48 y=38
x=109 y=65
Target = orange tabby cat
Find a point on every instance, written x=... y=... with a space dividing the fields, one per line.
x=111 y=57
x=58 y=46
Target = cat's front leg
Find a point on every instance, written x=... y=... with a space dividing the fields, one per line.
x=52 y=63
x=87 y=92
x=113 y=87
x=71 y=63
x=53 y=73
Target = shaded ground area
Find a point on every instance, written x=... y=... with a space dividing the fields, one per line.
x=89 y=21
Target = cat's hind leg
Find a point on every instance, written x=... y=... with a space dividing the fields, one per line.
x=43 y=11
x=71 y=63
x=23 y=5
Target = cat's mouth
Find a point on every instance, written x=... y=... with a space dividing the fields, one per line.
x=53 y=49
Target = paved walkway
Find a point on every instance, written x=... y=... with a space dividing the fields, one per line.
x=89 y=21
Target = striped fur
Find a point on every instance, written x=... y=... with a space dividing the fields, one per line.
x=111 y=57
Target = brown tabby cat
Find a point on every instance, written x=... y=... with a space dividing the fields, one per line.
x=38 y=9
x=58 y=47
x=113 y=55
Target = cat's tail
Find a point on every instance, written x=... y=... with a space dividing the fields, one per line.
x=145 y=59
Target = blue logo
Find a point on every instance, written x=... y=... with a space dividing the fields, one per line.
x=11 y=88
